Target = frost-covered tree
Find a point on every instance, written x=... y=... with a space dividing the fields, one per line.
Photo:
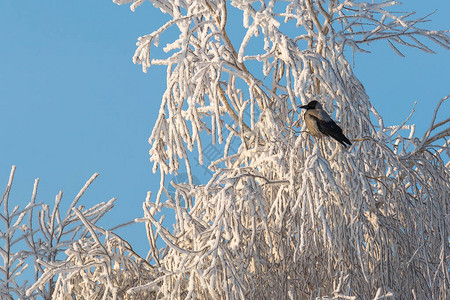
x=34 y=238
x=284 y=215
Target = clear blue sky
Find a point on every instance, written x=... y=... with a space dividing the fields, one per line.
x=72 y=102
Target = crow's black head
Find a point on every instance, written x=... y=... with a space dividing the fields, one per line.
x=312 y=105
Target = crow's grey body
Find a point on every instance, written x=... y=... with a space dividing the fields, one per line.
x=319 y=123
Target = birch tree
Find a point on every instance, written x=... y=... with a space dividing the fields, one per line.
x=283 y=215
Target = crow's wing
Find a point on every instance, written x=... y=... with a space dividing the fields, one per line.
x=330 y=128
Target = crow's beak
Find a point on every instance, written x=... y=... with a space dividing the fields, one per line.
x=303 y=106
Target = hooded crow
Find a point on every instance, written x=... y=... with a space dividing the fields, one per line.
x=319 y=123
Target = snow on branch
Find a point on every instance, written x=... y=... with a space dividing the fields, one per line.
x=36 y=237
x=97 y=269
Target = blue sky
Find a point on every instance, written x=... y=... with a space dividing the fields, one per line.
x=72 y=102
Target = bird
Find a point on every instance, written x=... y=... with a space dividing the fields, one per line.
x=319 y=123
